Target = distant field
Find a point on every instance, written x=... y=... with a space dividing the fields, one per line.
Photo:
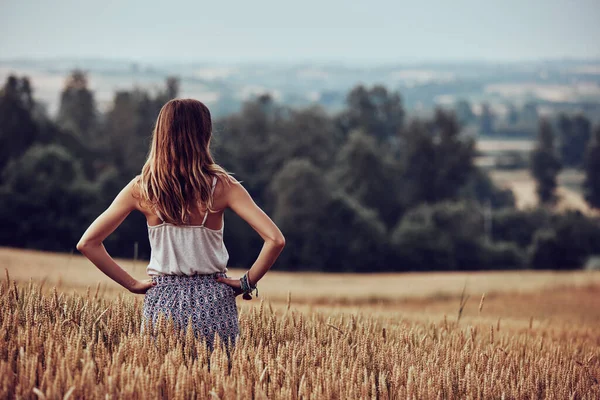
x=514 y=296
x=523 y=186
x=73 y=271
x=521 y=182
x=486 y=145
x=418 y=296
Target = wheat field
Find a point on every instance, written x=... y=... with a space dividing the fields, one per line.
x=539 y=342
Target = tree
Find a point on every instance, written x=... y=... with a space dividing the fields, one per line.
x=45 y=202
x=300 y=195
x=575 y=133
x=437 y=161
x=325 y=230
x=18 y=130
x=592 y=170
x=172 y=88
x=566 y=242
x=354 y=238
x=448 y=236
x=308 y=133
x=519 y=226
x=545 y=164
x=126 y=152
x=486 y=120
x=127 y=128
x=529 y=114
x=512 y=115
x=244 y=141
x=77 y=112
x=480 y=187
x=366 y=172
x=464 y=112
x=376 y=111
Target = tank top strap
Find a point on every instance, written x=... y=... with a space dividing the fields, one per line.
x=213 y=185
x=212 y=191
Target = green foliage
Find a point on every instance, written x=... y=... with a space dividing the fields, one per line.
x=18 y=130
x=574 y=135
x=566 y=243
x=592 y=170
x=357 y=191
x=486 y=120
x=308 y=133
x=529 y=114
x=518 y=226
x=325 y=230
x=354 y=238
x=243 y=143
x=502 y=255
x=450 y=236
x=480 y=188
x=513 y=114
x=364 y=172
x=45 y=202
x=375 y=111
x=464 y=112
x=437 y=161
x=127 y=128
x=420 y=245
x=77 y=112
x=545 y=164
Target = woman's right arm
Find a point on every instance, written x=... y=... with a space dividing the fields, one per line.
x=240 y=201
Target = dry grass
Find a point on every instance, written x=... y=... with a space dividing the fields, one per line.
x=537 y=340
x=58 y=345
x=76 y=272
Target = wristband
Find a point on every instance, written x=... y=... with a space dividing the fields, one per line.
x=246 y=287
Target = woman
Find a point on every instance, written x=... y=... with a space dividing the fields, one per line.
x=183 y=194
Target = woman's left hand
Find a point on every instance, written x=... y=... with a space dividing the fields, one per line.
x=233 y=282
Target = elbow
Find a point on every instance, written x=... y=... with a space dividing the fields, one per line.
x=279 y=242
x=84 y=246
x=81 y=246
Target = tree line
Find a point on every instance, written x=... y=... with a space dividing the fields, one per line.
x=366 y=189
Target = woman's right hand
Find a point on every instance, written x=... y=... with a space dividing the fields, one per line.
x=141 y=287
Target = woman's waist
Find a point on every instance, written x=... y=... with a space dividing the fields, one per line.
x=183 y=279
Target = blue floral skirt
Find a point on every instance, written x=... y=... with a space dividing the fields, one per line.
x=209 y=304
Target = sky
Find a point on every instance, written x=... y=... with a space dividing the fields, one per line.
x=354 y=31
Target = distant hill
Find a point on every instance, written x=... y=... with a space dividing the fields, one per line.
x=555 y=85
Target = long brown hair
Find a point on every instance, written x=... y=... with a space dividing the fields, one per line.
x=179 y=170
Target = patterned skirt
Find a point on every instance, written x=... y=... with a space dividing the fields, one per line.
x=209 y=304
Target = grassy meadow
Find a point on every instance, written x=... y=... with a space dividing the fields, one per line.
x=68 y=331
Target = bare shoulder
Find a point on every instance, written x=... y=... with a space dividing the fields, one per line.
x=133 y=186
x=236 y=193
x=132 y=189
x=225 y=183
x=225 y=187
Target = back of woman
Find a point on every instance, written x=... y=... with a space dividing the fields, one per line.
x=183 y=193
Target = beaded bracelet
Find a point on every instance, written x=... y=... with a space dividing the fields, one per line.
x=246 y=287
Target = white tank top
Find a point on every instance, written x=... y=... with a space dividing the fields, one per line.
x=186 y=249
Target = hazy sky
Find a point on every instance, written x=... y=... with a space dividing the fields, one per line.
x=301 y=31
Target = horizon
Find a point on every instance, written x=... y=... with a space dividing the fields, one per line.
x=301 y=62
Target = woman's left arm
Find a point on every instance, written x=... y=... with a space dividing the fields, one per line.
x=92 y=247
